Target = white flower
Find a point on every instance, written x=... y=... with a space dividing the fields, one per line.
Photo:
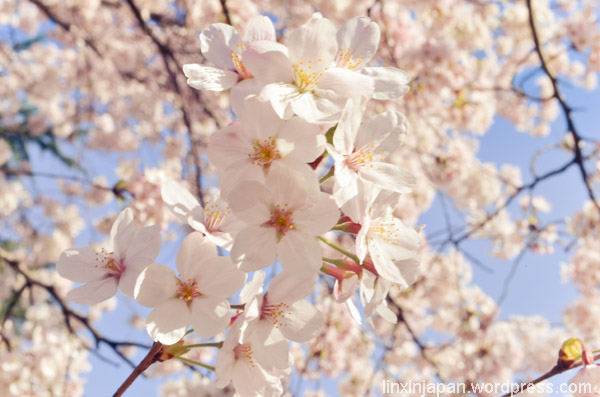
x=280 y=314
x=302 y=80
x=360 y=153
x=130 y=251
x=236 y=363
x=198 y=297
x=261 y=140
x=223 y=46
x=284 y=216
x=215 y=221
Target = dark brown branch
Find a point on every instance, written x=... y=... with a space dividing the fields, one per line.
x=70 y=314
x=567 y=110
x=226 y=12
x=146 y=362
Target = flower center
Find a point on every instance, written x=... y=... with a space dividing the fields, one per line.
x=109 y=263
x=237 y=62
x=282 y=220
x=345 y=59
x=214 y=217
x=362 y=158
x=187 y=290
x=265 y=152
x=244 y=352
x=275 y=313
x=307 y=74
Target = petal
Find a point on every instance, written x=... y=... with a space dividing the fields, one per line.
x=94 y=292
x=208 y=78
x=319 y=218
x=220 y=278
x=80 y=265
x=289 y=288
x=389 y=83
x=224 y=368
x=179 y=200
x=260 y=28
x=313 y=108
x=250 y=202
x=385 y=132
x=281 y=95
x=268 y=62
x=122 y=232
x=253 y=287
x=195 y=250
x=346 y=186
x=248 y=379
x=156 y=284
x=358 y=40
x=259 y=120
x=300 y=253
x=346 y=130
x=242 y=90
x=389 y=177
x=168 y=322
x=145 y=244
x=302 y=323
x=305 y=140
x=210 y=315
x=269 y=346
x=130 y=275
x=254 y=248
x=229 y=145
x=313 y=41
x=347 y=83
x=216 y=44
x=289 y=188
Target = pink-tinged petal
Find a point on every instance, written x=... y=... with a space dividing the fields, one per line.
x=299 y=253
x=387 y=314
x=247 y=379
x=281 y=95
x=389 y=83
x=250 y=202
x=216 y=44
x=255 y=248
x=220 y=278
x=94 y=292
x=240 y=172
x=313 y=41
x=253 y=287
x=320 y=218
x=145 y=244
x=361 y=243
x=80 y=265
x=195 y=250
x=228 y=146
x=260 y=28
x=210 y=315
x=302 y=141
x=389 y=177
x=130 y=275
x=241 y=91
x=358 y=40
x=314 y=108
x=269 y=346
x=394 y=239
x=289 y=188
x=224 y=368
x=168 y=322
x=156 y=284
x=122 y=233
x=346 y=185
x=289 y=288
x=347 y=84
x=259 y=121
x=180 y=201
x=410 y=270
x=268 y=62
x=385 y=132
x=302 y=323
x=381 y=254
x=209 y=78
x=346 y=130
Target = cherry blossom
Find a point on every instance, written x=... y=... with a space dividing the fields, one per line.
x=130 y=251
x=197 y=296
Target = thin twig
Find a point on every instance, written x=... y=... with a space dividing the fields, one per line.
x=146 y=362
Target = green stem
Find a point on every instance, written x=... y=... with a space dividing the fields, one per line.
x=189 y=331
x=187 y=360
x=328 y=175
x=215 y=344
x=339 y=249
